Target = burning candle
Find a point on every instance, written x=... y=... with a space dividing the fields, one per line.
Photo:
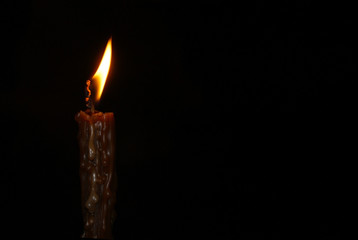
x=97 y=163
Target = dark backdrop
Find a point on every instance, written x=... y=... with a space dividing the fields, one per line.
x=233 y=121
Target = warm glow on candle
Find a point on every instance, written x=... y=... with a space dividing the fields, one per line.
x=99 y=78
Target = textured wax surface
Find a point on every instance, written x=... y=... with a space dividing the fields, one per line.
x=98 y=178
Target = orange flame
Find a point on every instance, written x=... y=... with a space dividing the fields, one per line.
x=99 y=78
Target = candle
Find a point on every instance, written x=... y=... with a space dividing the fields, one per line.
x=97 y=163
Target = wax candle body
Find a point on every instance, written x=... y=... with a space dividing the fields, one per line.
x=97 y=172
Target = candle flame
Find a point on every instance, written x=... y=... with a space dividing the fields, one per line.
x=99 y=78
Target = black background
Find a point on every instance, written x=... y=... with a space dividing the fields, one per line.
x=233 y=121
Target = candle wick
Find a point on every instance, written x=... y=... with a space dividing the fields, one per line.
x=89 y=97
